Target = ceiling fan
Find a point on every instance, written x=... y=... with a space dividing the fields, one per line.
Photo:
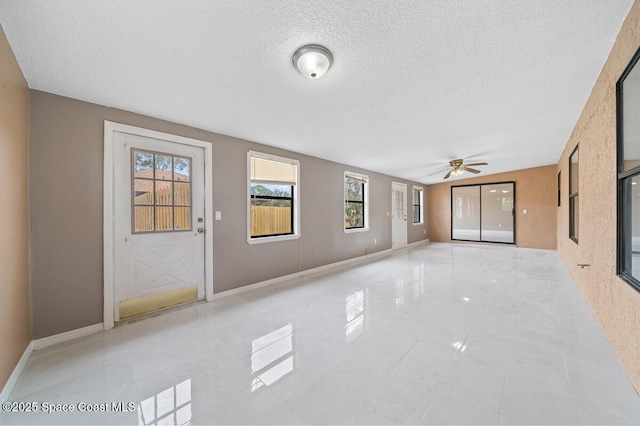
x=457 y=167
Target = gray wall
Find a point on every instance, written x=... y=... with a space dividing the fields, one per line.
x=66 y=166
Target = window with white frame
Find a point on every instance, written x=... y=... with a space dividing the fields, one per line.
x=418 y=201
x=273 y=212
x=356 y=199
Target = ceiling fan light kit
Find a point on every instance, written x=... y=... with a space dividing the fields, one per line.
x=458 y=167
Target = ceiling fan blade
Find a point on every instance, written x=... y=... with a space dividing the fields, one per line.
x=471 y=170
x=477 y=164
x=439 y=171
x=448 y=174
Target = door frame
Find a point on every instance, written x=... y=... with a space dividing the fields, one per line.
x=108 y=212
x=480 y=185
x=406 y=213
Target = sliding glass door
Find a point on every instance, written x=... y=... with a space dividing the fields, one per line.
x=483 y=212
x=465 y=213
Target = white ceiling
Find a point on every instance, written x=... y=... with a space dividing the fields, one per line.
x=413 y=85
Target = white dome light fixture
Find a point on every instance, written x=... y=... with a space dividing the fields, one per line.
x=312 y=60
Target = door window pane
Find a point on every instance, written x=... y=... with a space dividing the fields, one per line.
x=182 y=218
x=181 y=169
x=157 y=190
x=164 y=167
x=143 y=219
x=143 y=191
x=164 y=193
x=142 y=164
x=182 y=194
x=164 y=218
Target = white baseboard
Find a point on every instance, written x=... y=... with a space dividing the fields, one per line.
x=45 y=342
x=313 y=271
x=320 y=270
x=17 y=371
x=418 y=243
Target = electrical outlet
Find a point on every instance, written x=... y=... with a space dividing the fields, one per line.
x=375 y=241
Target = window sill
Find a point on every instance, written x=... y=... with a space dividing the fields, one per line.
x=354 y=230
x=629 y=279
x=273 y=239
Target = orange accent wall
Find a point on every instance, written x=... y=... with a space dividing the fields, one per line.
x=615 y=304
x=536 y=191
x=15 y=315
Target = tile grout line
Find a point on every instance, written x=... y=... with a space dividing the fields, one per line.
x=401 y=359
x=319 y=380
x=385 y=378
x=284 y=403
x=289 y=409
x=566 y=372
x=504 y=387
x=463 y=343
x=425 y=414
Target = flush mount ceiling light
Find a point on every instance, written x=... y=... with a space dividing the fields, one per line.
x=312 y=60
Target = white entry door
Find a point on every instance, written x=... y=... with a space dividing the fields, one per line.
x=159 y=211
x=399 y=208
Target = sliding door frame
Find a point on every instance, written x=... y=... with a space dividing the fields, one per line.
x=480 y=185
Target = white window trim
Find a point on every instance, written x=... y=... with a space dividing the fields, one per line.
x=366 y=201
x=296 y=199
x=421 y=189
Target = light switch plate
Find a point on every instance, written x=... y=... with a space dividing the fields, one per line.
x=218 y=215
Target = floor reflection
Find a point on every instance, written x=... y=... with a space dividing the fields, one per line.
x=460 y=346
x=272 y=356
x=171 y=406
x=400 y=292
x=355 y=316
x=418 y=277
x=412 y=290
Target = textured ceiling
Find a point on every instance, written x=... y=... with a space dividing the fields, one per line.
x=413 y=85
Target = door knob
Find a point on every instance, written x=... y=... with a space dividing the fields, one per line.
x=200 y=230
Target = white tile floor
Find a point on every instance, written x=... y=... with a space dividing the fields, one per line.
x=442 y=334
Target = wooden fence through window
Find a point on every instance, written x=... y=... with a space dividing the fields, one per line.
x=270 y=220
x=265 y=220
